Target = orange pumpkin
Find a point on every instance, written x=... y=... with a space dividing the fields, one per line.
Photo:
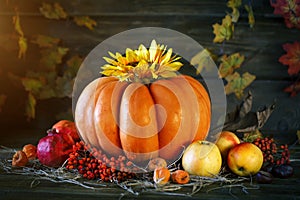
x=141 y=118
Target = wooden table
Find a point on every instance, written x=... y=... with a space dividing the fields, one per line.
x=14 y=186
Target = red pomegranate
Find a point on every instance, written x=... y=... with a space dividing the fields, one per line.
x=54 y=149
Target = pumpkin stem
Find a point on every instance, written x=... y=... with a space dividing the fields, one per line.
x=142 y=65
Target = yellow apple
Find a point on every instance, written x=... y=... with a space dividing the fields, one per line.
x=202 y=158
x=245 y=159
x=226 y=140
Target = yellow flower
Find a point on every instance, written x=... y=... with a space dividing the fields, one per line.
x=142 y=64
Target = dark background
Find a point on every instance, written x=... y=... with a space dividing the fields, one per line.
x=262 y=47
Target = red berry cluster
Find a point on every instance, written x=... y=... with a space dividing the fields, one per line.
x=271 y=152
x=96 y=165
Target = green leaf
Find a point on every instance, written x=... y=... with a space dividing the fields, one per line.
x=52 y=56
x=251 y=19
x=201 y=60
x=32 y=85
x=53 y=11
x=236 y=83
x=30 y=106
x=45 y=41
x=230 y=63
x=85 y=21
x=3 y=98
x=224 y=31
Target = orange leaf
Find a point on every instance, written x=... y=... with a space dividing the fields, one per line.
x=293 y=89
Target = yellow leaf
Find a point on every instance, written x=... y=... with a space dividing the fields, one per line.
x=234 y=5
x=224 y=31
x=251 y=19
x=17 y=24
x=22 y=47
x=235 y=15
x=200 y=60
x=85 y=21
x=53 y=11
x=236 y=84
x=298 y=135
x=30 y=107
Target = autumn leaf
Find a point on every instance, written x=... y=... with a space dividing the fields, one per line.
x=73 y=65
x=45 y=41
x=53 y=11
x=292 y=57
x=85 y=21
x=230 y=63
x=22 y=41
x=289 y=10
x=251 y=19
x=52 y=56
x=30 y=107
x=234 y=5
x=3 y=98
x=236 y=83
x=22 y=47
x=224 y=31
x=298 y=136
x=293 y=89
x=64 y=87
x=244 y=119
x=201 y=60
x=32 y=85
x=17 y=24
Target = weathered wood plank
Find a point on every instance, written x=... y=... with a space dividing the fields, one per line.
x=135 y=8
x=262 y=46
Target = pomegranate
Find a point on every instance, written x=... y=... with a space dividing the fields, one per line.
x=54 y=149
x=67 y=128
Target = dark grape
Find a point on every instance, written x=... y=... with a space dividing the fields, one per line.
x=264 y=177
x=283 y=171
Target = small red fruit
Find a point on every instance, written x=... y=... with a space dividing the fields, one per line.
x=161 y=175
x=180 y=177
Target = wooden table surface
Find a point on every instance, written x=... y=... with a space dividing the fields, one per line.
x=16 y=186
